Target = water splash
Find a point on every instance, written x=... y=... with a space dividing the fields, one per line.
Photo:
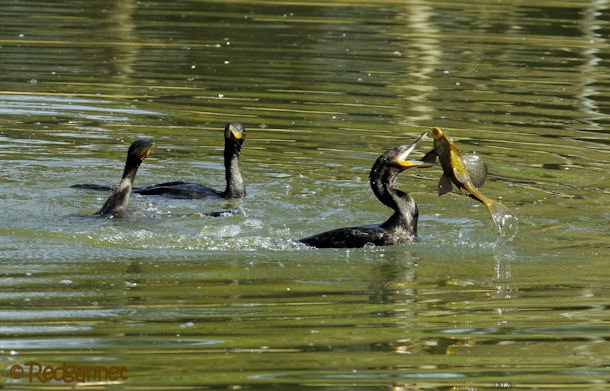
x=506 y=222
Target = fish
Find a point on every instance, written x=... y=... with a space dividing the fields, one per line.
x=468 y=175
x=476 y=167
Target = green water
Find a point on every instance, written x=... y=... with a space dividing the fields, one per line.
x=185 y=301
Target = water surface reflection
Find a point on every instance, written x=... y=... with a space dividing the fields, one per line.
x=185 y=300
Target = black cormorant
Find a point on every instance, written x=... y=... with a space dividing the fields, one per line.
x=235 y=135
x=401 y=226
x=116 y=204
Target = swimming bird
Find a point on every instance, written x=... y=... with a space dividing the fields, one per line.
x=235 y=135
x=401 y=227
x=116 y=204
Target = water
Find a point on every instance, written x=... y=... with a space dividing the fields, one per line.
x=182 y=300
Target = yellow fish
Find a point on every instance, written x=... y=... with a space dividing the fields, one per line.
x=456 y=171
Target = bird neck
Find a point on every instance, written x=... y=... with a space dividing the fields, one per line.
x=131 y=168
x=383 y=179
x=405 y=213
x=116 y=204
x=235 y=183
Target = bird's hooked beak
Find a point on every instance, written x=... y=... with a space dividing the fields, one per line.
x=405 y=151
x=148 y=150
x=237 y=133
x=142 y=148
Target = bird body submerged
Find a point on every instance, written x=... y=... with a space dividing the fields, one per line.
x=354 y=237
x=179 y=189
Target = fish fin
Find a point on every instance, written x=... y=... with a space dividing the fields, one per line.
x=444 y=185
x=458 y=175
x=430 y=157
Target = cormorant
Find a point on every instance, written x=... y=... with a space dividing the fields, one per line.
x=401 y=227
x=116 y=204
x=235 y=135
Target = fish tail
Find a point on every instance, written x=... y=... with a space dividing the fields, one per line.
x=503 y=218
